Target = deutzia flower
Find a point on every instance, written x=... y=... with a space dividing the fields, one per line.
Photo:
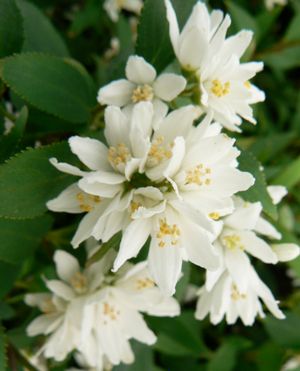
x=164 y=184
x=142 y=85
x=95 y=313
x=222 y=82
x=236 y=283
x=225 y=299
x=271 y=3
x=114 y=7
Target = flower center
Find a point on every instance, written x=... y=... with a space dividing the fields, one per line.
x=118 y=155
x=247 y=84
x=110 y=312
x=219 y=89
x=86 y=201
x=198 y=175
x=142 y=93
x=167 y=230
x=235 y=294
x=48 y=306
x=233 y=242
x=144 y=283
x=214 y=215
x=79 y=283
x=158 y=152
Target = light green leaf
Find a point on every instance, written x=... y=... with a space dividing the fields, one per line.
x=19 y=238
x=258 y=192
x=28 y=181
x=241 y=19
x=39 y=34
x=11 y=28
x=50 y=84
x=9 y=142
x=290 y=176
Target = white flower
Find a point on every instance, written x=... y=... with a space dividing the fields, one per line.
x=142 y=85
x=169 y=184
x=225 y=299
x=95 y=312
x=271 y=3
x=277 y=193
x=63 y=308
x=114 y=7
x=213 y=61
x=112 y=316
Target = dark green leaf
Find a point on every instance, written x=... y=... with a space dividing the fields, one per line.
x=8 y=275
x=269 y=357
x=241 y=19
x=178 y=336
x=28 y=181
x=50 y=84
x=258 y=192
x=284 y=57
x=9 y=142
x=39 y=34
x=11 y=29
x=157 y=48
x=293 y=31
x=144 y=359
x=284 y=332
x=290 y=176
x=19 y=238
x=3 y=357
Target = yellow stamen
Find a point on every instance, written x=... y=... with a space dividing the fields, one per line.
x=158 y=151
x=235 y=294
x=214 y=215
x=109 y=311
x=144 y=283
x=198 y=175
x=79 y=283
x=118 y=155
x=167 y=230
x=219 y=89
x=142 y=93
x=233 y=242
x=86 y=202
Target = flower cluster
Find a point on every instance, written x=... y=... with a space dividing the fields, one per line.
x=167 y=178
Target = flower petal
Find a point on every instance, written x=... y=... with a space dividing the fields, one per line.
x=139 y=71
x=66 y=168
x=66 y=201
x=168 y=86
x=286 y=251
x=117 y=93
x=91 y=152
x=66 y=265
x=60 y=289
x=173 y=25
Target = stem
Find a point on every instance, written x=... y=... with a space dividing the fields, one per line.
x=6 y=114
x=112 y=243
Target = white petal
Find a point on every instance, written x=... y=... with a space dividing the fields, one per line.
x=277 y=193
x=168 y=86
x=238 y=265
x=178 y=152
x=173 y=25
x=91 y=152
x=60 y=289
x=66 y=265
x=266 y=229
x=116 y=128
x=133 y=239
x=117 y=93
x=257 y=247
x=160 y=110
x=165 y=266
x=41 y=324
x=245 y=216
x=139 y=71
x=192 y=48
x=66 y=201
x=286 y=251
x=137 y=328
x=66 y=168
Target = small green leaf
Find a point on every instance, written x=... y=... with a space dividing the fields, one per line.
x=9 y=142
x=39 y=34
x=258 y=192
x=284 y=332
x=11 y=28
x=19 y=238
x=50 y=84
x=290 y=176
x=28 y=181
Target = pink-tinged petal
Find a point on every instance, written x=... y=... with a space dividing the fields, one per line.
x=139 y=71
x=117 y=93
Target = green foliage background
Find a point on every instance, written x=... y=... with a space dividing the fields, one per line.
x=52 y=63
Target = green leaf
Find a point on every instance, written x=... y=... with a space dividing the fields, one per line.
x=19 y=238
x=284 y=57
x=258 y=192
x=28 y=181
x=241 y=19
x=9 y=142
x=50 y=84
x=8 y=275
x=178 y=336
x=182 y=285
x=269 y=357
x=157 y=48
x=39 y=34
x=3 y=359
x=225 y=358
x=11 y=29
x=284 y=332
x=290 y=176
x=144 y=359
x=293 y=31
